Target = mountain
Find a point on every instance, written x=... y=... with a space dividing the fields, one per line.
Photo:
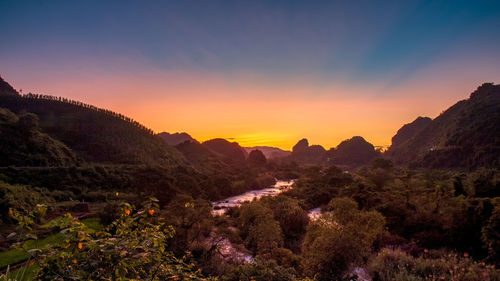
x=303 y=153
x=269 y=152
x=464 y=136
x=353 y=152
x=256 y=158
x=232 y=152
x=410 y=130
x=23 y=144
x=175 y=138
x=202 y=157
x=350 y=153
x=93 y=134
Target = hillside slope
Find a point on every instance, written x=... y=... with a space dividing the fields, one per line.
x=175 y=138
x=231 y=152
x=269 y=151
x=353 y=152
x=410 y=130
x=94 y=134
x=22 y=143
x=464 y=136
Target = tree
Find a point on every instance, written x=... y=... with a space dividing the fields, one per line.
x=491 y=235
x=340 y=239
x=287 y=211
x=261 y=231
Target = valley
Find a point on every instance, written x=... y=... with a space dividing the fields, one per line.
x=204 y=210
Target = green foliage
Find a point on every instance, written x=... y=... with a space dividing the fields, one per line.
x=132 y=247
x=22 y=252
x=422 y=206
x=260 y=270
x=23 y=144
x=337 y=240
x=319 y=185
x=395 y=265
x=21 y=197
x=464 y=136
x=191 y=219
x=264 y=236
x=262 y=233
x=94 y=134
x=491 y=235
x=24 y=273
x=486 y=183
x=287 y=211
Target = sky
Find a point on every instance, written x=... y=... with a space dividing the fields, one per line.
x=256 y=72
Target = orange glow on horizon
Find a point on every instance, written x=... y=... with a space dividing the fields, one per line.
x=257 y=111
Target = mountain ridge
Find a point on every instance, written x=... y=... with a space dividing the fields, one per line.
x=463 y=136
x=94 y=134
x=176 y=138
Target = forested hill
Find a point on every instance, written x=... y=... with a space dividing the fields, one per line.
x=96 y=135
x=464 y=136
x=22 y=143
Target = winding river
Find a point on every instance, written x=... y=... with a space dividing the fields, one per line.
x=220 y=207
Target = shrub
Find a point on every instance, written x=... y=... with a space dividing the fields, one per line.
x=396 y=265
x=336 y=241
x=132 y=247
x=260 y=270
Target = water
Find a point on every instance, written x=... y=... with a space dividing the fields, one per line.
x=314 y=214
x=220 y=207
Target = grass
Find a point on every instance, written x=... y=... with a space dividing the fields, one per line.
x=93 y=223
x=18 y=255
x=25 y=273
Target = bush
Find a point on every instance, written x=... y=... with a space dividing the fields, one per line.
x=336 y=241
x=132 y=247
x=395 y=265
x=262 y=269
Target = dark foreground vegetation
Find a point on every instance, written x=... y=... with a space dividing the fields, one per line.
x=87 y=194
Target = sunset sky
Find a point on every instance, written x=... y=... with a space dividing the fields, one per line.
x=257 y=72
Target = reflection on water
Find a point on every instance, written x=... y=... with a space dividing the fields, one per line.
x=314 y=213
x=220 y=207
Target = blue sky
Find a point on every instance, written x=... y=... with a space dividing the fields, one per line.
x=369 y=49
x=359 y=39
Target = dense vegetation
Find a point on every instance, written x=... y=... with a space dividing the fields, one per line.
x=464 y=136
x=74 y=181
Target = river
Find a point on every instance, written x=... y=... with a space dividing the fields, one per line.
x=220 y=207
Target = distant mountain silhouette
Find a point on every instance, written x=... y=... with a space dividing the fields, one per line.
x=269 y=151
x=303 y=153
x=232 y=152
x=353 y=152
x=94 y=134
x=466 y=135
x=202 y=157
x=410 y=130
x=22 y=143
x=175 y=138
x=256 y=158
